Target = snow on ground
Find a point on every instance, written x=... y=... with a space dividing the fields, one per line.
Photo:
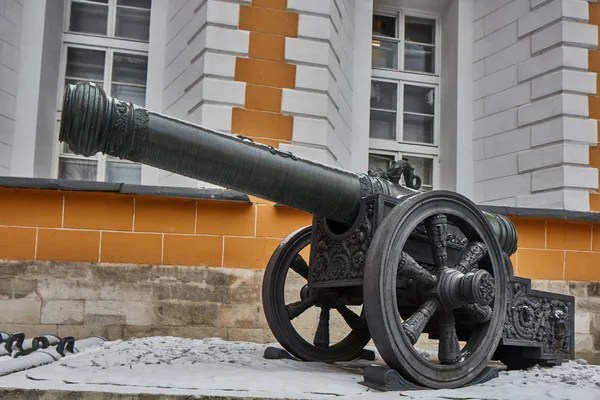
x=215 y=367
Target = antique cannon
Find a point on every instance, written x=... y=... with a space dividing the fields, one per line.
x=419 y=263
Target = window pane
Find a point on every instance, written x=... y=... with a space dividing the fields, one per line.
x=88 y=18
x=383 y=125
x=418 y=99
x=123 y=172
x=384 y=26
x=385 y=54
x=85 y=64
x=81 y=170
x=423 y=168
x=384 y=95
x=419 y=58
x=418 y=128
x=130 y=68
x=64 y=149
x=135 y=3
x=133 y=24
x=419 y=30
x=133 y=94
x=381 y=162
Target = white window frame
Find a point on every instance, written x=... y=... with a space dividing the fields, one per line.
x=398 y=147
x=111 y=23
x=109 y=45
x=400 y=15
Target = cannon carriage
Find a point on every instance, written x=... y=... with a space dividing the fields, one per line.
x=394 y=263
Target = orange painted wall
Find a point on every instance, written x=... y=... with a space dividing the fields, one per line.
x=54 y=225
x=552 y=249
x=265 y=72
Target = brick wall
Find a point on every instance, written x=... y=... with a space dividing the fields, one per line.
x=103 y=227
x=11 y=20
x=202 y=43
x=264 y=72
x=321 y=100
x=530 y=89
x=552 y=249
x=277 y=71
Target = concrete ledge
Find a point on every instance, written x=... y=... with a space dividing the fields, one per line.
x=123 y=188
x=543 y=213
x=234 y=196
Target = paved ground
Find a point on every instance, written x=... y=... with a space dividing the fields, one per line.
x=170 y=366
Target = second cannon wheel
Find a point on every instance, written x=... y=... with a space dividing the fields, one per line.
x=289 y=264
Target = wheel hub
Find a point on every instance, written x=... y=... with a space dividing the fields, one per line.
x=453 y=289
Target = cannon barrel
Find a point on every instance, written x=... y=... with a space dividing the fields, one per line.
x=94 y=122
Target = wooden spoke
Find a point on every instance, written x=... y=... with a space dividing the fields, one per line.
x=477 y=314
x=410 y=268
x=354 y=321
x=470 y=256
x=297 y=308
x=437 y=229
x=449 y=347
x=414 y=325
x=322 y=334
x=300 y=266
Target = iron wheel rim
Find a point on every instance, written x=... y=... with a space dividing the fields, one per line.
x=392 y=341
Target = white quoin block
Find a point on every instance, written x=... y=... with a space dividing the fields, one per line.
x=564 y=56
x=564 y=176
x=580 y=33
x=564 y=80
x=546 y=108
x=561 y=129
x=553 y=11
x=553 y=155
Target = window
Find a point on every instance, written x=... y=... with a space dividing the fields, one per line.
x=126 y=19
x=102 y=44
x=404 y=91
x=402 y=42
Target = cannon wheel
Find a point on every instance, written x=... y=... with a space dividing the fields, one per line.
x=394 y=336
x=287 y=258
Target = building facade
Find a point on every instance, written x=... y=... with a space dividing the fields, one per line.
x=494 y=99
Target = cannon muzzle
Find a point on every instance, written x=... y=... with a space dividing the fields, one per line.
x=94 y=122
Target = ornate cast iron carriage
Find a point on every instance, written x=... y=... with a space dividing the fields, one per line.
x=419 y=264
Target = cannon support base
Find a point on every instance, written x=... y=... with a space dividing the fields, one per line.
x=539 y=328
x=388 y=380
x=382 y=378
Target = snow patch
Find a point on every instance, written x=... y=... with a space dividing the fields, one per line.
x=171 y=365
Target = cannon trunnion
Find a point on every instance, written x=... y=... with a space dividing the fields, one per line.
x=380 y=261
